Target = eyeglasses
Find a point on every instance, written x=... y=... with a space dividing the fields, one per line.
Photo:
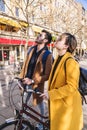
x=40 y=35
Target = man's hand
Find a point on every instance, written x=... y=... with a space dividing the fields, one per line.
x=28 y=81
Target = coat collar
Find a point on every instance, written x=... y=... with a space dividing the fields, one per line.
x=58 y=68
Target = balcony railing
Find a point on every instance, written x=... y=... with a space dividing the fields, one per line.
x=18 y=35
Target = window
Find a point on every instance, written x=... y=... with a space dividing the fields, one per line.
x=17 y=11
x=25 y=1
x=18 y=1
x=33 y=17
x=83 y=10
x=40 y=6
x=2 y=5
x=56 y=3
x=6 y=55
x=0 y=55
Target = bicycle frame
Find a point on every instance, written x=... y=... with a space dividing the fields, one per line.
x=21 y=120
x=23 y=111
x=31 y=112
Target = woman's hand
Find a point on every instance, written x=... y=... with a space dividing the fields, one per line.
x=45 y=96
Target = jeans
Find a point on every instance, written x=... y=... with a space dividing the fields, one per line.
x=27 y=95
x=41 y=107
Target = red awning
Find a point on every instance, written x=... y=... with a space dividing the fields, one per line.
x=5 y=41
x=15 y=42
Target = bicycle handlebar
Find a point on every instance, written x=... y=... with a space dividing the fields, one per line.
x=19 y=79
x=36 y=91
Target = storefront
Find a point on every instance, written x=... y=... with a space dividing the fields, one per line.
x=13 y=39
x=12 y=50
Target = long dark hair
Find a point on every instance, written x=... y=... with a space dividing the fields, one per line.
x=70 y=41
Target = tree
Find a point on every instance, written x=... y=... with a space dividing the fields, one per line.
x=32 y=11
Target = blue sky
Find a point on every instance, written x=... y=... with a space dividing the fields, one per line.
x=83 y=2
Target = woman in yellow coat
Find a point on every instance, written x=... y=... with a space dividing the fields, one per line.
x=65 y=105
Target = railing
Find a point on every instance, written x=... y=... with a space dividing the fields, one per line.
x=12 y=34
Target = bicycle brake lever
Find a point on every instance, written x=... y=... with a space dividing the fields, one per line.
x=33 y=91
x=38 y=93
x=19 y=79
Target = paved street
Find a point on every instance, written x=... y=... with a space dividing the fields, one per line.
x=6 y=109
x=5 y=78
x=83 y=63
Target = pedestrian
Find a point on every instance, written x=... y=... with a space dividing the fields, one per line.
x=65 y=103
x=33 y=71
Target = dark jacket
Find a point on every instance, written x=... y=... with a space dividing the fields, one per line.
x=38 y=76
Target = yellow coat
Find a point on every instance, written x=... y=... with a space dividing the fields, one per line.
x=65 y=100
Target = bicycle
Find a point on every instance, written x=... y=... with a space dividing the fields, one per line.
x=19 y=121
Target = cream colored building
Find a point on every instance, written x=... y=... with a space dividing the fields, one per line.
x=20 y=23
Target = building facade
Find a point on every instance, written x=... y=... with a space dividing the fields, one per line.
x=22 y=20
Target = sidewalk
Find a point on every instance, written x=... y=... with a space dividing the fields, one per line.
x=83 y=63
x=6 y=110
x=6 y=76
